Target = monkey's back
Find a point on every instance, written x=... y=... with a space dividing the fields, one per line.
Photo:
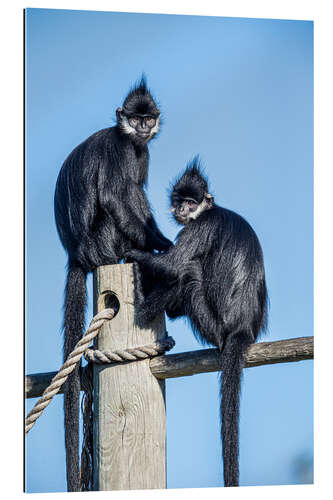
x=233 y=270
x=91 y=177
x=75 y=201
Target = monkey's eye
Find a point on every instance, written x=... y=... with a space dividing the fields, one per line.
x=133 y=121
x=150 y=121
x=192 y=203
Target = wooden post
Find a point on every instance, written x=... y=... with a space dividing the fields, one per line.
x=129 y=402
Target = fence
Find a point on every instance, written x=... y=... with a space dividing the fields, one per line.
x=129 y=398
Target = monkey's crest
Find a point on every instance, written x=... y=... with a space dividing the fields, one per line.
x=192 y=183
x=140 y=101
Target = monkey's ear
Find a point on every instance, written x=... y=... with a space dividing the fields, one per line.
x=210 y=198
x=119 y=113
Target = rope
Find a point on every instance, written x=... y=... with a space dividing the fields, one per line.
x=94 y=356
x=130 y=354
x=68 y=367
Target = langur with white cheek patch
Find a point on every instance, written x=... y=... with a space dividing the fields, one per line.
x=215 y=276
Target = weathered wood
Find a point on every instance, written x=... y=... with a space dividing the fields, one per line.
x=208 y=360
x=36 y=383
x=129 y=405
x=200 y=361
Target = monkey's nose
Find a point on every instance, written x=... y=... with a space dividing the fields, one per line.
x=143 y=129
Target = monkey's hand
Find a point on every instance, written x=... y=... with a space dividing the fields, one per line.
x=136 y=255
x=159 y=264
x=163 y=244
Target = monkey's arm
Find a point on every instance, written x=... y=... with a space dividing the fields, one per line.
x=152 y=223
x=172 y=264
x=125 y=206
x=140 y=205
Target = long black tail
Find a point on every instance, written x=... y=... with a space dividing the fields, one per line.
x=75 y=303
x=232 y=365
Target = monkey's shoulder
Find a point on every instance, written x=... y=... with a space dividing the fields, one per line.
x=106 y=147
x=97 y=150
x=228 y=217
x=97 y=140
x=219 y=225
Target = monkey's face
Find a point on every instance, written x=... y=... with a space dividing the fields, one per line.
x=139 y=117
x=187 y=209
x=139 y=120
x=141 y=128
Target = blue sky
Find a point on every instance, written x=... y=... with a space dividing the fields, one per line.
x=239 y=93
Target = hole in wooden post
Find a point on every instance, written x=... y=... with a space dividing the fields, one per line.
x=109 y=300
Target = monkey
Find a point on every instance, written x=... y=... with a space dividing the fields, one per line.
x=214 y=275
x=101 y=211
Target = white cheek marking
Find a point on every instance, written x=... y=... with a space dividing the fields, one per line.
x=201 y=208
x=126 y=127
x=154 y=130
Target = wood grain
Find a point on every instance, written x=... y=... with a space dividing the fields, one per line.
x=208 y=360
x=129 y=405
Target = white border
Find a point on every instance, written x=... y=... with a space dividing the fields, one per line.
x=11 y=229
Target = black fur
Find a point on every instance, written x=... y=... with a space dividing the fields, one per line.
x=101 y=211
x=214 y=275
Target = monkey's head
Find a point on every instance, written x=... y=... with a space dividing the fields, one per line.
x=190 y=196
x=139 y=117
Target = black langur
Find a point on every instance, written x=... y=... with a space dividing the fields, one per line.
x=101 y=211
x=215 y=276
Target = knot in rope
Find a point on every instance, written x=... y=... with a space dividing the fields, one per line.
x=131 y=353
x=93 y=355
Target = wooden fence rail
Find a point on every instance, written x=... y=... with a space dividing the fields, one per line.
x=201 y=361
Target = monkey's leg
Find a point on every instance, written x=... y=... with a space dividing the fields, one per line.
x=206 y=322
x=95 y=252
x=155 y=303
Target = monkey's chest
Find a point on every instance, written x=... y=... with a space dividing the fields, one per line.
x=137 y=162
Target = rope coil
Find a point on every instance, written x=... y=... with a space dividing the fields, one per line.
x=93 y=355
x=130 y=354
